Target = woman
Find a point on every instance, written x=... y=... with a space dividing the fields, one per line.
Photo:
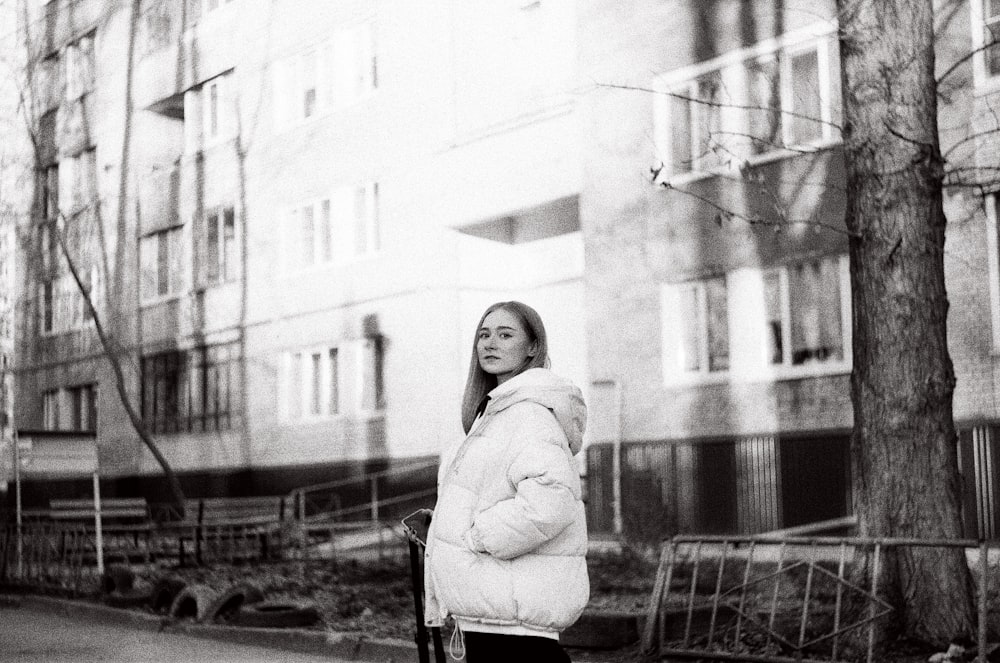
x=506 y=550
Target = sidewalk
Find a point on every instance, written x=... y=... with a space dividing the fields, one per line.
x=347 y=646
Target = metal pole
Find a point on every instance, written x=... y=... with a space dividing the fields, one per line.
x=616 y=460
x=423 y=652
x=98 y=531
x=17 y=497
x=984 y=569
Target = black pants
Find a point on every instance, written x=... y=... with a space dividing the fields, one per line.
x=497 y=648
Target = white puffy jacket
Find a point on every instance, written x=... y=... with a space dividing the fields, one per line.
x=507 y=544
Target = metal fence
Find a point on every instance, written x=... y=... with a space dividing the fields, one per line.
x=785 y=599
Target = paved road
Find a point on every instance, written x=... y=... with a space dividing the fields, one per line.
x=29 y=635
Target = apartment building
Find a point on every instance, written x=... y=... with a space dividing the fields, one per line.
x=717 y=279
x=290 y=217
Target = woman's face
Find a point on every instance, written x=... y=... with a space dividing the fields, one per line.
x=503 y=345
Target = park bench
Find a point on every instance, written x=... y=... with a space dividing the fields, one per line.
x=229 y=528
x=123 y=519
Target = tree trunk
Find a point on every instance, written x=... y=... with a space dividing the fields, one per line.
x=904 y=445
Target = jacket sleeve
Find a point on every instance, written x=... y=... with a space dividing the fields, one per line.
x=543 y=505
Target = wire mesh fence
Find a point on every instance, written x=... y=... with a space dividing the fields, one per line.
x=789 y=599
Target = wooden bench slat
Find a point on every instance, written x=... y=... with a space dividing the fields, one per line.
x=134 y=502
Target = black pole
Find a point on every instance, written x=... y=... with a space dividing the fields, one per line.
x=418 y=605
x=438 y=645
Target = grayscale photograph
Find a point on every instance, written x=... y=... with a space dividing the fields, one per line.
x=505 y=331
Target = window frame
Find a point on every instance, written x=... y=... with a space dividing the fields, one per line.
x=51 y=407
x=983 y=80
x=337 y=213
x=62 y=308
x=734 y=70
x=80 y=67
x=216 y=109
x=335 y=88
x=175 y=282
x=748 y=338
x=199 y=374
x=675 y=292
x=223 y=261
x=345 y=391
x=787 y=367
x=83 y=407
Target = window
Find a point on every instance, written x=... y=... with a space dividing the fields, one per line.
x=79 y=60
x=327 y=76
x=209 y=113
x=83 y=407
x=196 y=390
x=160 y=264
x=62 y=306
x=217 y=110
x=50 y=409
x=327 y=381
x=804 y=320
x=79 y=181
x=724 y=113
x=986 y=40
x=756 y=324
x=222 y=259
x=313 y=383
x=337 y=228
x=696 y=329
x=51 y=82
x=48 y=192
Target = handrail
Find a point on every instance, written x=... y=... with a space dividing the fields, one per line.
x=359 y=508
x=301 y=498
x=365 y=477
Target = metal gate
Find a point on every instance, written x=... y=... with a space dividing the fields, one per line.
x=778 y=599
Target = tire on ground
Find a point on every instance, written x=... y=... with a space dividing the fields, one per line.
x=164 y=592
x=278 y=614
x=229 y=602
x=192 y=602
x=117 y=578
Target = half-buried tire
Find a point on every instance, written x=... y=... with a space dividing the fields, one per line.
x=164 y=592
x=192 y=602
x=278 y=614
x=229 y=602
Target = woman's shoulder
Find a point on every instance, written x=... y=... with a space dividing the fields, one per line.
x=530 y=419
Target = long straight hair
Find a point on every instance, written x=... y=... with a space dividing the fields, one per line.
x=479 y=383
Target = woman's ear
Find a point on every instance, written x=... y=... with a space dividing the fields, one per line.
x=533 y=350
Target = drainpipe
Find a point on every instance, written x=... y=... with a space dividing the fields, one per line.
x=616 y=450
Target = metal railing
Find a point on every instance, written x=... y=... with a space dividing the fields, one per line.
x=325 y=501
x=780 y=600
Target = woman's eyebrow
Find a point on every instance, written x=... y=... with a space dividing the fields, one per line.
x=498 y=328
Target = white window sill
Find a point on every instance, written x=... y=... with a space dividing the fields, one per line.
x=755 y=161
x=771 y=374
x=156 y=301
x=321 y=267
x=325 y=113
x=68 y=330
x=315 y=420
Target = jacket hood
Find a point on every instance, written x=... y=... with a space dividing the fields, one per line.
x=542 y=386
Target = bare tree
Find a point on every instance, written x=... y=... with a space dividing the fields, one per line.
x=904 y=444
x=79 y=234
